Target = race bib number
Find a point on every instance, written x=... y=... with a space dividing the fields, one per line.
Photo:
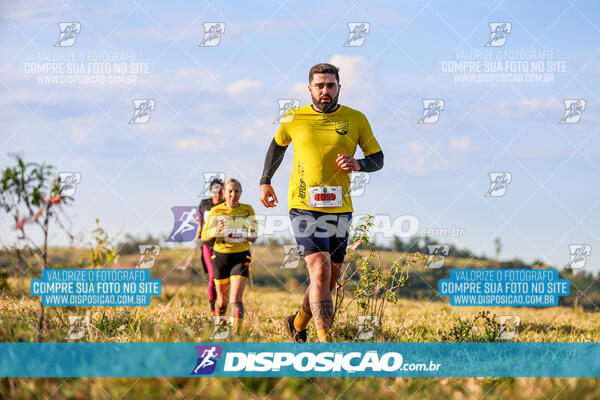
x=236 y=235
x=325 y=196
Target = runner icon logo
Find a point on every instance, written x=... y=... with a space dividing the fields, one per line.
x=437 y=252
x=431 y=110
x=508 y=326
x=142 y=108
x=207 y=190
x=573 y=110
x=185 y=224
x=69 y=182
x=78 y=325
x=68 y=33
x=212 y=34
x=291 y=255
x=498 y=33
x=222 y=328
x=499 y=182
x=366 y=327
x=579 y=255
x=285 y=105
x=358 y=183
x=358 y=33
x=207 y=359
x=148 y=254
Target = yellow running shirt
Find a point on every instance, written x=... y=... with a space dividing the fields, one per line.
x=239 y=222
x=317 y=183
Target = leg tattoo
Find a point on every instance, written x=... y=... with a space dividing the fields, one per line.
x=322 y=312
x=334 y=276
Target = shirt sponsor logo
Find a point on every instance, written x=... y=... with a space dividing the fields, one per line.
x=341 y=127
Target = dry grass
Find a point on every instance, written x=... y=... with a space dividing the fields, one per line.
x=180 y=314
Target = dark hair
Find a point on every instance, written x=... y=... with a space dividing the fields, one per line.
x=324 y=68
x=216 y=181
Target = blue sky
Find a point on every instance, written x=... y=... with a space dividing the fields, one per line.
x=215 y=108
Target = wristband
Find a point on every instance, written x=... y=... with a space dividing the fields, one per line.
x=361 y=162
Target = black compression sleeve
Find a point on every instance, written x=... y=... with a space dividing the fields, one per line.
x=272 y=160
x=373 y=162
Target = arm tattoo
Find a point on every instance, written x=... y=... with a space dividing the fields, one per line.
x=323 y=311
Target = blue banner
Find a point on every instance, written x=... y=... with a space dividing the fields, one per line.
x=95 y=287
x=300 y=360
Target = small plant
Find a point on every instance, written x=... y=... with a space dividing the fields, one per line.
x=4 y=286
x=103 y=250
x=372 y=284
x=482 y=328
x=31 y=195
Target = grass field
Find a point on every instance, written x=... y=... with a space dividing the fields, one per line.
x=181 y=314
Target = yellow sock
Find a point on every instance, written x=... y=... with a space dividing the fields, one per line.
x=237 y=324
x=237 y=311
x=324 y=335
x=302 y=319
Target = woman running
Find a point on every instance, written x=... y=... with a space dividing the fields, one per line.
x=233 y=226
x=216 y=189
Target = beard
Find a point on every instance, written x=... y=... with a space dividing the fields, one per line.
x=325 y=106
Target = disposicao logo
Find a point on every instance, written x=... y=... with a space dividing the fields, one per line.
x=318 y=362
x=207 y=359
x=359 y=362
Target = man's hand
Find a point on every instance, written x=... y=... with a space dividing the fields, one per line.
x=347 y=163
x=267 y=195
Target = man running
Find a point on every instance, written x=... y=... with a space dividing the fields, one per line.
x=216 y=189
x=325 y=136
